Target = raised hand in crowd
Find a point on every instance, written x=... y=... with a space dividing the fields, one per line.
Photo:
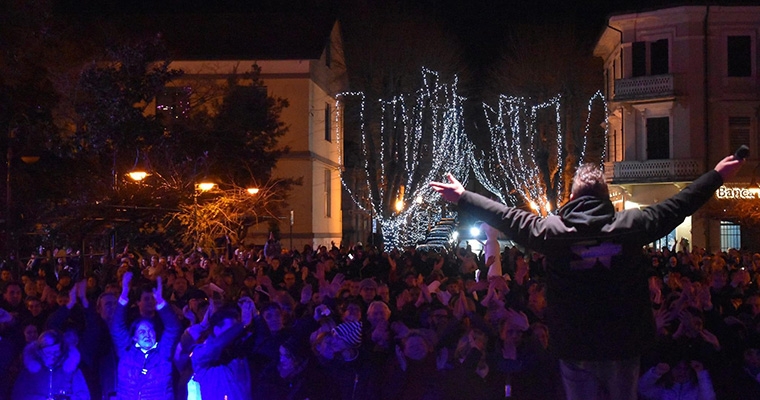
x=336 y=283
x=661 y=369
x=521 y=271
x=125 y=281
x=72 y=297
x=391 y=261
x=403 y=299
x=424 y=296
x=401 y=358
x=304 y=273
x=158 y=293
x=189 y=315
x=662 y=318
x=266 y=282
x=703 y=296
x=321 y=311
x=247 y=310
x=439 y=263
x=306 y=293
x=463 y=307
x=319 y=273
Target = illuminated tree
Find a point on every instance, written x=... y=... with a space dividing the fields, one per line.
x=386 y=45
x=418 y=138
x=529 y=159
x=227 y=136
x=229 y=212
x=551 y=121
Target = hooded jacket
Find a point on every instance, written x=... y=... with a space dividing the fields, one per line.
x=36 y=381
x=597 y=293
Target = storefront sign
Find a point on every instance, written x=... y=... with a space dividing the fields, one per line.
x=737 y=193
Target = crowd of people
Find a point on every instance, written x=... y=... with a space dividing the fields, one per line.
x=349 y=322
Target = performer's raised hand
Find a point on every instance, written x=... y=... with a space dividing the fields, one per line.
x=451 y=191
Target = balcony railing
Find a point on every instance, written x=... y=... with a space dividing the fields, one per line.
x=644 y=87
x=652 y=171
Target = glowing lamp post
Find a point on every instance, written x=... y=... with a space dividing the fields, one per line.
x=139 y=170
x=201 y=187
x=137 y=176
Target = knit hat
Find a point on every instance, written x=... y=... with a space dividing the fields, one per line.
x=350 y=332
x=368 y=283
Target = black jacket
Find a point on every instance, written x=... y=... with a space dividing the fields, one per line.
x=598 y=300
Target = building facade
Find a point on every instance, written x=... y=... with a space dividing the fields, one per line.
x=683 y=92
x=308 y=77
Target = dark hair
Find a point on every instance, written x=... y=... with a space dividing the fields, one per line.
x=226 y=312
x=146 y=289
x=49 y=338
x=137 y=322
x=13 y=283
x=589 y=181
x=31 y=298
x=270 y=306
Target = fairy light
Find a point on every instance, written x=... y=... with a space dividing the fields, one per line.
x=509 y=170
x=597 y=97
x=423 y=134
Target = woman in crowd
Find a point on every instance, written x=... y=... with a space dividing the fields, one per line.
x=51 y=371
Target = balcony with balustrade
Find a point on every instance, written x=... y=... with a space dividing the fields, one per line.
x=644 y=88
x=652 y=171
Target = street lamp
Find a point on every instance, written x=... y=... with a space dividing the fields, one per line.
x=137 y=175
x=203 y=186
x=206 y=186
x=139 y=171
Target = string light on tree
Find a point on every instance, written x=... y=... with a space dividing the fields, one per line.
x=406 y=142
x=527 y=158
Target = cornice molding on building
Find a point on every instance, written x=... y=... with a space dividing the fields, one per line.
x=309 y=155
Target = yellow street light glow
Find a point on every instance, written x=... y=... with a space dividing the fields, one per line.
x=253 y=190
x=534 y=206
x=137 y=175
x=206 y=186
x=399 y=205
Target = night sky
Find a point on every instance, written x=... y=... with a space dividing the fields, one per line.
x=479 y=23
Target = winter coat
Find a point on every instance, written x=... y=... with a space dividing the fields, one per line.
x=38 y=382
x=145 y=375
x=221 y=368
x=597 y=293
x=700 y=390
